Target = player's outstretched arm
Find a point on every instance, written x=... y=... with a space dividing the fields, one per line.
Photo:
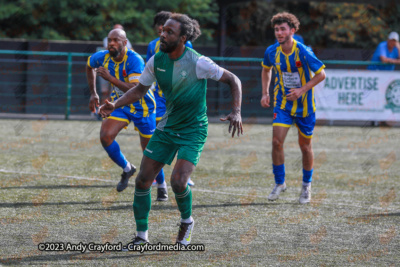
x=134 y=94
x=235 y=116
x=94 y=97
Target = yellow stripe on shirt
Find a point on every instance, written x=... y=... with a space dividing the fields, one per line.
x=313 y=100
x=303 y=82
x=278 y=67
x=289 y=69
x=116 y=69
x=117 y=64
x=106 y=61
x=157 y=47
x=276 y=90
x=312 y=89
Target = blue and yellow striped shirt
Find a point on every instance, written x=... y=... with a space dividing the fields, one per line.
x=293 y=71
x=128 y=70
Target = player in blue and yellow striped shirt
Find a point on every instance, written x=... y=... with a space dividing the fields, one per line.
x=294 y=65
x=121 y=67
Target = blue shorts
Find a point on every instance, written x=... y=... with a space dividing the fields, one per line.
x=144 y=125
x=305 y=125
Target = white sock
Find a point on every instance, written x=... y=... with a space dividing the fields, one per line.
x=127 y=167
x=143 y=234
x=163 y=185
x=306 y=184
x=188 y=220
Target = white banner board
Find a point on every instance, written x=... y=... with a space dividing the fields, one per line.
x=359 y=95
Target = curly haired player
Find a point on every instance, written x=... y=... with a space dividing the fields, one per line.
x=293 y=64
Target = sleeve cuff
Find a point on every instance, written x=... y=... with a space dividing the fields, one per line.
x=134 y=77
x=320 y=69
x=265 y=66
x=88 y=62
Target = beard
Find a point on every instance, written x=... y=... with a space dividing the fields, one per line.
x=286 y=39
x=169 y=47
x=115 y=52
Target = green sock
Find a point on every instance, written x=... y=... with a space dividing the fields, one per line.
x=141 y=208
x=184 y=201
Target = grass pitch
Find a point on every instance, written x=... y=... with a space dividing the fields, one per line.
x=57 y=184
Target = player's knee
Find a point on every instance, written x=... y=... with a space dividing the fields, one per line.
x=141 y=182
x=277 y=144
x=306 y=148
x=178 y=182
x=106 y=139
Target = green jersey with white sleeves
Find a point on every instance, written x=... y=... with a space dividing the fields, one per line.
x=184 y=84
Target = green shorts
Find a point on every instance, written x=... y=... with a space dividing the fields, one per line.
x=163 y=146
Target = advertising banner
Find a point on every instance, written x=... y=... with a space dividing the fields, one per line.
x=359 y=95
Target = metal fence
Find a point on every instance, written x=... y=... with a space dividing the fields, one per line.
x=37 y=82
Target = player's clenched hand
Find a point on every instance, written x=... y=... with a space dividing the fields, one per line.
x=104 y=73
x=235 y=123
x=265 y=101
x=106 y=109
x=294 y=94
x=93 y=102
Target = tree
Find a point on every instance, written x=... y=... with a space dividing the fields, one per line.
x=351 y=25
x=92 y=20
x=249 y=23
x=322 y=24
x=330 y=25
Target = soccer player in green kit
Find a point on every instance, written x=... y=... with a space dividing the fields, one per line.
x=183 y=74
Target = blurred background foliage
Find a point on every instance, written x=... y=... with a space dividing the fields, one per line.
x=329 y=25
x=92 y=20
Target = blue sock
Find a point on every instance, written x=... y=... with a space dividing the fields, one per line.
x=279 y=172
x=307 y=176
x=114 y=152
x=160 y=177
